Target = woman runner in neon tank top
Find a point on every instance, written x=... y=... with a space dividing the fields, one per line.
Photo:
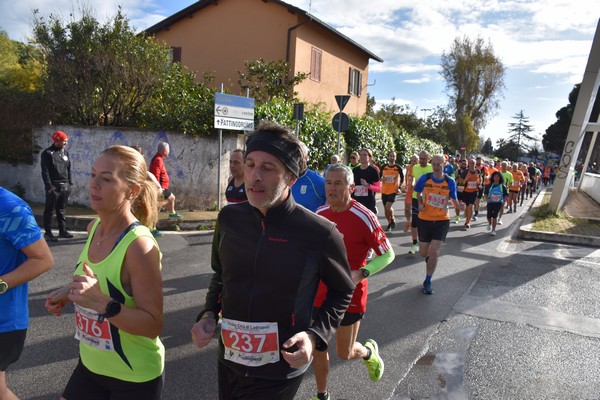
x=117 y=287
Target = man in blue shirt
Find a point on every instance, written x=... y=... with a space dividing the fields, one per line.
x=309 y=189
x=24 y=255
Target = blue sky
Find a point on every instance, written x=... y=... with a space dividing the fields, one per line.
x=544 y=44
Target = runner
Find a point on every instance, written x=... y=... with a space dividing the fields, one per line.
x=515 y=186
x=433 y=192
x=361 y=231
x=117 y=286
x=495 y=195
x=484 y=175
x=460 y=187
x=409 y=191
x=525 y=184
x=236 y=192
x=391 y=179
x=268 y=257
x=508 y=179
x=419 y=170
x=366 y=179
x=472 y=181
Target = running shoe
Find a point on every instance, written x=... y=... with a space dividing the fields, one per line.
x=388 y=227
x=499 y=222
x=156 y=233
x=457 y=219
x=467 y=226
x=493 y=233
x=318 y=398
x=374 y=363
x=406 y=227
x=427 y=287
x=489 y=228
x=474 y=218
x=175 y=216
x=413 y=249
x=392 y=225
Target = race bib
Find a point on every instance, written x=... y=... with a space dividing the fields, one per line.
x=460 y=188
x=91 y=332
x=496 y=198
x=514 y=184
x=250 y=343
x=361 y=191
x=437 y=200
x=389 y=179
x=472 y=184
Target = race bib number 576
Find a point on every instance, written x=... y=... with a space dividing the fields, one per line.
x=250 y=343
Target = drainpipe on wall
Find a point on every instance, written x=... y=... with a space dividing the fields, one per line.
x=289 y=37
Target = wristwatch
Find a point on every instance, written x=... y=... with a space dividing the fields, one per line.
x=112 y=309
x=365 y=272
x=3 y=286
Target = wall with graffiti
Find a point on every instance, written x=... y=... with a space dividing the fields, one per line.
x=192 y=163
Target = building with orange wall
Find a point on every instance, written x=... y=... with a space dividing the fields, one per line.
x=217 y=36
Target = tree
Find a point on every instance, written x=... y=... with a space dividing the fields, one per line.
x=23 y=102
x=21 y=68
x=474 y=81
x=99 y=74
x=487 y=147
x=506 y=149
x=269 y=79
x=556 y=134
x=519 y=133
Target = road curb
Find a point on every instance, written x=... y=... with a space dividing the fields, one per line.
x=526 y=231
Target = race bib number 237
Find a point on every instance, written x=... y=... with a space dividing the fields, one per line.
x=250 y=343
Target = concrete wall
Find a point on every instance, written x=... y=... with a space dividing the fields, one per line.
x=591 y=185
x=191 y=165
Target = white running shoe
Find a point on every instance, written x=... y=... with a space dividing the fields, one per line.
x=413 y=249
x=489 y=228
x=493 y=233
x=499 y=222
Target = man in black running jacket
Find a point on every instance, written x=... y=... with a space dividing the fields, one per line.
x=268 y=257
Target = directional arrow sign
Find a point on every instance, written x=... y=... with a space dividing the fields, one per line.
x=234 y=112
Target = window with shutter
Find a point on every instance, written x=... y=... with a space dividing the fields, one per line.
x=316 y=57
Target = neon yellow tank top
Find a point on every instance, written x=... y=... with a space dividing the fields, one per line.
x=105 y=349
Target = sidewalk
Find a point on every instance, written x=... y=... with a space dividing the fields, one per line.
x=79 y=217
x=584 y=230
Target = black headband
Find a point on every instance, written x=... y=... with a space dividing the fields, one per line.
x=286 y=151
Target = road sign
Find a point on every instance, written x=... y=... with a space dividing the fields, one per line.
x=342 y=100
x=234 y=112
x=341 y=122
x=463 y=147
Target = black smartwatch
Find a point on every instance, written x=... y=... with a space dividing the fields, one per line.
x=365 y=272
x=112 y=309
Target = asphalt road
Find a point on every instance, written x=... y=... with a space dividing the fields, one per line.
x=508 y=320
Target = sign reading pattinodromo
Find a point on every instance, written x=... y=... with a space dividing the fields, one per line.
x=234 y=112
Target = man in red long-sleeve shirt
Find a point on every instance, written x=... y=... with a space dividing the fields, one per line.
x=157 y=168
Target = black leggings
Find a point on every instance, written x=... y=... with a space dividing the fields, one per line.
x=234 y=386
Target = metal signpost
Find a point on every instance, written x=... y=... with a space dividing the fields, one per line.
x=234 y=113
x=341 y=121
